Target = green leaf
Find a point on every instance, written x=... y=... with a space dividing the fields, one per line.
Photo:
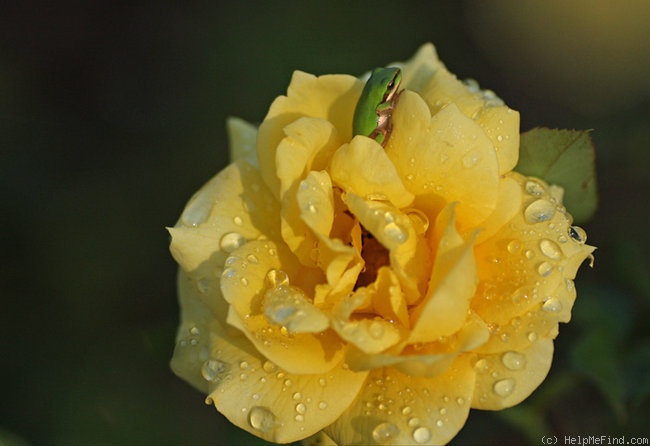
x=565 y=158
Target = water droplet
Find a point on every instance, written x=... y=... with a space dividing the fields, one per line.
x=544 y=269
x=578 y=234
x=532 y=336
x=383 y=433
x=243 y=281
x=244 y=365
x=539 y=211
x=301 y=408
x=439 y=423
x=256 y=396
x=407 y=410
x=238 y=221
x=322 y=382
x=212 y=369
x=552 y=305
x=413 y=421
x=296 y=396
x=376 y=330
x=514 y=247
x=513 y=360
x=288 y=383
x=529 y=253
x=550 y=249
x=269 y=367
x=395 y=233
x=534 y=188
x=481 y=366
x=322 y=405
x=231 y=241
x=299 y=417
x=460 y=401
x=504 y=387
x=197 y=209
x=470 y=159
x=442 y=411
x=421 y=435
x=252 y=258
x=261 y=419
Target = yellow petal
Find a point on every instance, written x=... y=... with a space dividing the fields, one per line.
x=369 y=335
x=528 y=259
x=330 y=97
x=231 y=208
x=242 y=137
x=501 y=125
x=426 y=360
x=417 y=71
x=261 y=397
x=409 y=256
x=447 y=155
x=444 y=88
x=506 y=379
x=397 y=409
x=452 y=285
x=363 y=168
x=316 y=202
x=308 y=145
x=244 y=283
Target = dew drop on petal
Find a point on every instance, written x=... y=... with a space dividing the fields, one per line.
x=471 y=159
x=395 y=233
x=544 y=269
x=231 y=241
x=421 y=435
x=481 y=366
x=322 y=405
x=238 y=221
x=197 y=210
x=552 y=305
x=269 y=367
x=384 y=433
x=532 y=336
x=376 y=330
x=406 y=410
x=534 y=188
x=504 y=387
x=513 y=360
x=261 y=419
x=550 y=249
x=578 y=234
x=296 y=396
x=514 y=246
x=301 y=408
x=539 y=211
x=212 y=369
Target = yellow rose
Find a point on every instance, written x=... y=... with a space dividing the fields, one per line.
x=376 y=294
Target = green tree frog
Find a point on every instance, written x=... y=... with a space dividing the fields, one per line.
x=375 y=107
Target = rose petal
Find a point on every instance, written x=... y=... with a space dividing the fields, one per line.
x=363 y=168
x=447 y=155
x=369 y=335
x=409 y=256
x=451 y=287
x=417 y=71
x=527 y=260
x=242 y=136
x=259 y=396
x=330 y=97
x=394 y=408
x=231 y=208
x=244 y=284
x=506 y=379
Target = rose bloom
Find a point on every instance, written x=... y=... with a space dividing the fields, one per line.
x=374 y=293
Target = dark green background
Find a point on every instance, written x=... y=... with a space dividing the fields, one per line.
x=113 y=113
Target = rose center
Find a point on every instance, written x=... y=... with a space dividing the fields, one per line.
x=374 y=255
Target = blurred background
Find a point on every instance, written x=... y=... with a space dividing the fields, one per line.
x=113 y=113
